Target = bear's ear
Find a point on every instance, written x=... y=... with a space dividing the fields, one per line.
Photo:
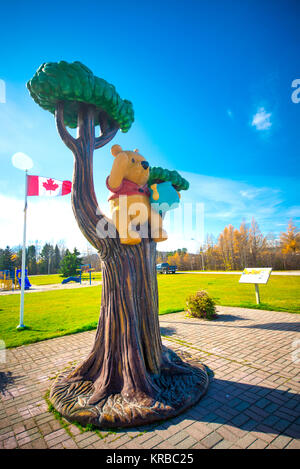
x=115 y=150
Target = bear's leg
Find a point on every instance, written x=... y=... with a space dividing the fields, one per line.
x=122 y=222
x=126 y=232
x=158 y=234
x=138 y=211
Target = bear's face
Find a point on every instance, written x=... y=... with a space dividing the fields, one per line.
x=137 y=168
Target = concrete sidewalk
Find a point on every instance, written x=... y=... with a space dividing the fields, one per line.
x=54 y=286
x=252 y=402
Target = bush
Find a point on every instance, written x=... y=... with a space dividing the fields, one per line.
x=200 y=305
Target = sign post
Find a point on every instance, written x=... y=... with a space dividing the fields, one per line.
x=256 y=276
x=257 y=294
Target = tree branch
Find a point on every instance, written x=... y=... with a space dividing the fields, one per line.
x=90 y=218
x=108 y=128
x=66 y=137
x=103 y=122
x=93 y=223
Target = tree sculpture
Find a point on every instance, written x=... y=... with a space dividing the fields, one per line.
x=129 y=378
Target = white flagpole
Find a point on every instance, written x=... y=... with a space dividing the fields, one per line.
x=21 y=325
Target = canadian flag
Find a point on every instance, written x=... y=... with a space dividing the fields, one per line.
x=37 y=185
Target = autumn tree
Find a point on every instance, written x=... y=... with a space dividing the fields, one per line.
x=273 y=254
x=290 y=240
x=128 y=378
x=289 y=243
x=241 y=245
x=226 y=247
x=174 y=259
x=159 y=258
x=257 y=242
x=180 y=258
x=187 y=262
x=212 y=254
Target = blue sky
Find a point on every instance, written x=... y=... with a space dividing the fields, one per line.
x=211 y=85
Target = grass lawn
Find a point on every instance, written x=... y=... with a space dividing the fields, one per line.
x=56 y=278
x=49 y=314
x=56 y=313
x=280 y=294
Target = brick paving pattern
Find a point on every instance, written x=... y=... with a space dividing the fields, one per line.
x=253 y=399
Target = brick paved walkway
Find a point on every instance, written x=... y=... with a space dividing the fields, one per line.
x=253 y=399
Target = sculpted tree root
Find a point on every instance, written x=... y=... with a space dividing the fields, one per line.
x=176 y=392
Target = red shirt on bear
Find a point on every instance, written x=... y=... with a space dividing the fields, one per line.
x=127 y=188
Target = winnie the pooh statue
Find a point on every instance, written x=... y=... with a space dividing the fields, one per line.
x=130 y=195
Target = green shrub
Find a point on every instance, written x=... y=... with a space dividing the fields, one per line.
x=200 y=305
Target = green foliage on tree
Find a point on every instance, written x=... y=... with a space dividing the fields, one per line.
x=46 y=256
x=70 y=263
x=6 y=259
x=158 y=175
x=31 y=260
x=56 y=258
x=47 y=261
x=74 y=83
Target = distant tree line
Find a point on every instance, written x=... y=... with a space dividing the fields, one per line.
x=238 y=248
x=233 y=249
x=50 y=260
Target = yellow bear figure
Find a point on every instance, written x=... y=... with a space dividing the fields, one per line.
x=129 y=201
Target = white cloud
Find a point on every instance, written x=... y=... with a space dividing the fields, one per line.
x=227 y=201
x=294 y=212
x=262 y=119
x=250 y=193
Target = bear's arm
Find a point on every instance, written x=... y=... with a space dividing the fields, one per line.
x=118 y=170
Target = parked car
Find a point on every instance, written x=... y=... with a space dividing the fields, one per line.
x=165 y=268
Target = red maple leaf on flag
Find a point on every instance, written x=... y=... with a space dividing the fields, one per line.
x=50 y=185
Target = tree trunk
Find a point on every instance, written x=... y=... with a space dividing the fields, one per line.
x=128 y=377
x=127 y=346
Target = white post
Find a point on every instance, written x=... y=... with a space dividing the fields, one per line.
x=257 y=294
x=21 y=325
